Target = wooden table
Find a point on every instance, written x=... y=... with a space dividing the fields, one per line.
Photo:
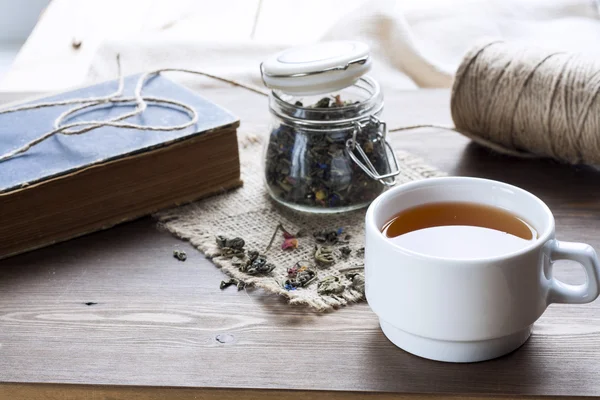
x=115 y=310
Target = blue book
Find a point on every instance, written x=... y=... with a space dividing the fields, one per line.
x=70 y=185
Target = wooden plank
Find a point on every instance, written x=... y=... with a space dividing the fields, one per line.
x=157 y=321
x=76 y=392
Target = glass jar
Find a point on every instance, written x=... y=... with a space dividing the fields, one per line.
x=328 y=152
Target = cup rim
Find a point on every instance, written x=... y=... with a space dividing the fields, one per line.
x=542 y=237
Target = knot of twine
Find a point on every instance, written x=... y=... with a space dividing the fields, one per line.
x=529 y=102
x=115 y=99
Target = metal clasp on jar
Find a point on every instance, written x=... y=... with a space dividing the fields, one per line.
x=352 y=146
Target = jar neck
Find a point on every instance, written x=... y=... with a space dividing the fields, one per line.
x=365 y=94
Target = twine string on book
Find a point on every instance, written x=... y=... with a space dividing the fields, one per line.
x=116 y=98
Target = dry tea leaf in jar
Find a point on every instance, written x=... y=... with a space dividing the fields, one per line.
x=327 y=150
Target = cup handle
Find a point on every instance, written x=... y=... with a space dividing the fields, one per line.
x=583 y=254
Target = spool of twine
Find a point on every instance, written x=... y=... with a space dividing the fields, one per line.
x=526 y=101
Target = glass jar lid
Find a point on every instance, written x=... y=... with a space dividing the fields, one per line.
x=317 y=68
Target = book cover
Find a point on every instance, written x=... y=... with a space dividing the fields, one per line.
x=64 y=154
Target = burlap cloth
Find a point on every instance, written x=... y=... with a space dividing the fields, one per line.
x=248 y=212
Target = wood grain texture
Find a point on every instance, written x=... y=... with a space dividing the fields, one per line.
x=87 y=392
x=157 y=321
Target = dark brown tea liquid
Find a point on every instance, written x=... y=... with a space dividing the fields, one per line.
x=459 y=230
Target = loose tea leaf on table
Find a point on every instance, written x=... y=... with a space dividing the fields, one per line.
x=256 y=264
x=330 y=285
x=230 y=248
x=324 y=255
x=358 y=281
x=252 y=263
x=346 y=250
x=225 y=284
x=235 y=243
x=331 y=236
x=180 y=255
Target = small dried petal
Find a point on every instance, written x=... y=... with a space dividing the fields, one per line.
x=291 y=243
x=338 y=101
x=302 y=278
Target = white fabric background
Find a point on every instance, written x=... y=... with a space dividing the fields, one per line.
x=415 y=43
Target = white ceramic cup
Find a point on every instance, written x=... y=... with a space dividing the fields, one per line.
x=466 y=310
